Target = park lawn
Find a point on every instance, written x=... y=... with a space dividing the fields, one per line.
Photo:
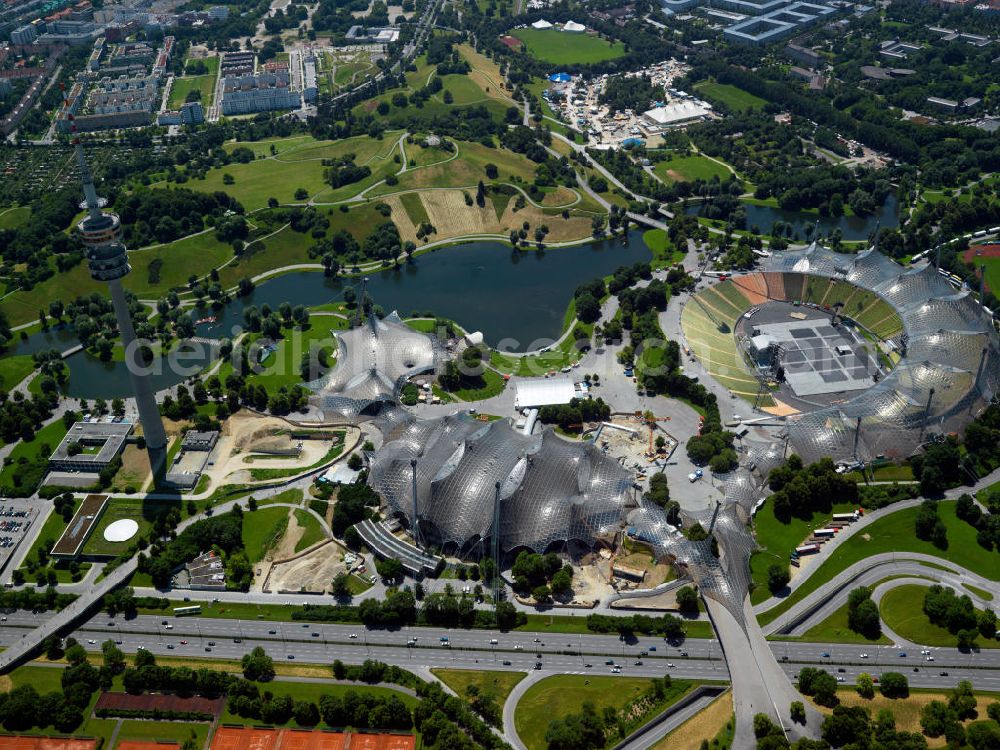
x=312 y=533
x=495 y=684
x=360 y=219
x=731 y=96
x=902 y=611
x=43 y=679
x=184 y=85
x=689 y=169
x=560 y=48
x=664 y=253
x=777 y=541
x=365 y=149
x=463 y=90
x=195 y=254
x=263 y=533
x=834 y=629
x=485 y=73
x=257 y=181
x=561 y=695
x=895 y=533
x=14 y=217
x=311 y=691
x=284 y=247
x=35 y=451
x=281 y=145
x=421 y=156
x=466 y=170
x=493 y=385
x=14 y=369
x=563 y=355
x=282 y=367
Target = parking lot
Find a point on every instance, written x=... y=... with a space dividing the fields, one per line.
x=16 y=517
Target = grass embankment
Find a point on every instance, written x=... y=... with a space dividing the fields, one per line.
x=834 y=629
x=713 y=724
x=495 y=684
x=895 y=533
x=181 y=87
x=265 y=530
x=14 y=369
x=312 y=530
x=559 y=696
x=28 y=460
x=902 y=611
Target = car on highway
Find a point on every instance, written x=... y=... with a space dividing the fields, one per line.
x=493 y=641
x=902 y=654
x=237 y=640
x=652 y=648
x=928 y=658
x=840 y=678
x=537 y=640
x=170 y=646
x=538 y=665
x=506 y=662
x=91 y=641
x=864 y=656
x=272 y=632
x=638 y=662
x=589 y=666
x=825 y=655
x=616 y=669
x=353 y=635
x=211 y=643
x=291 y=656
x=925 y=651
x=184 y=643
x=610 y=662
x=841 y=669
x=942 y=674
x=443 y=639
x=168 y=626
x=208 y=649
x=517 y=646
x=315 y=635
x=670 y=665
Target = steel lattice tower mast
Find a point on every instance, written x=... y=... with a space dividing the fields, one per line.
x=107 y=258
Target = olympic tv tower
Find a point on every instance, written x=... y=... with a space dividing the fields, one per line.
x=107 y=258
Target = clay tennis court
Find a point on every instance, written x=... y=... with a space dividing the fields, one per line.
x=239 y=738
x=45 y=743
x=135 y=745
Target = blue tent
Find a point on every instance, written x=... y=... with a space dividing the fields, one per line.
x=632 y=142
x=560 y=78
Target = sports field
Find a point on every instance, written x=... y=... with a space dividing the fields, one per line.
x=732 y=97
x=560 y=48
x=986 y=257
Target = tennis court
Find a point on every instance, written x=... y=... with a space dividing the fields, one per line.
x=10 y=742
x=242 y=738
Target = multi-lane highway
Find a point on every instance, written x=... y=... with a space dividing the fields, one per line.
x=560 y=653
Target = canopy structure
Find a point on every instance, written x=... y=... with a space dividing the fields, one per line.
x=373 y=363
x=573 y=27
x=541 y=23
x=445 y=476
x=949 y=370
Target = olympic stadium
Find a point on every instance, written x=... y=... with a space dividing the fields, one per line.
x=873 y=359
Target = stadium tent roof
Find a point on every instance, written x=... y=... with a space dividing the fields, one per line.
x=560 y=78
x=541 y=23
x=543 y=392
x=574 y=27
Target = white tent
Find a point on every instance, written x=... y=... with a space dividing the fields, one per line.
x=541 y=24
x=543 y=392
x=574 y=28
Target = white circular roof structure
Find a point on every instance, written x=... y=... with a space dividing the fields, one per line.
x=121 y=530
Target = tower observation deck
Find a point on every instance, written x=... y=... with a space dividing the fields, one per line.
x=107 y=258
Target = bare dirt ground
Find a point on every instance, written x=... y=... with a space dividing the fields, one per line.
x=244 y=433
x=704 y=725
x=313 y=571
x=655 y=573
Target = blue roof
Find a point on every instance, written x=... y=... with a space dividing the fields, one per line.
x=630 y=142
x=560 y=78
